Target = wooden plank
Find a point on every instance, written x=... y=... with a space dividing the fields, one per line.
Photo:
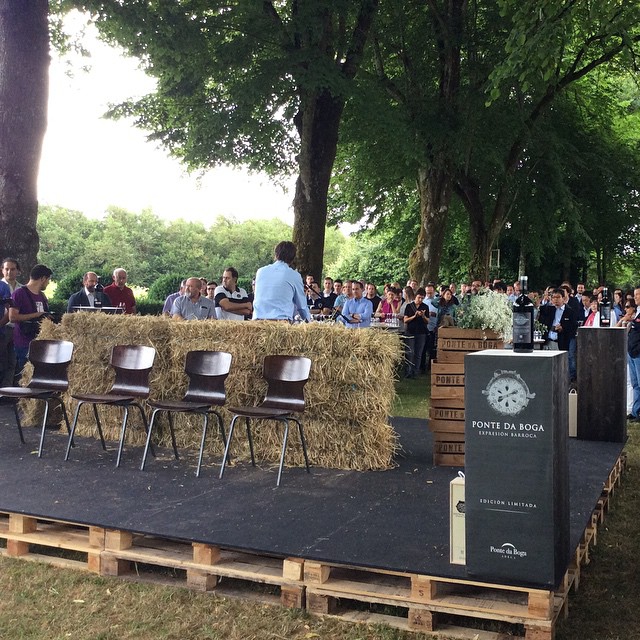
x=201 y=580
x=450 y=448
x=446 y=379
x=293 y=569
x=446 y=427
x=444 y=413
x=19 y=523
x=467 y=345
x=450 y=357
x=459 y=332
x=448 y=459
x=117 y=540
x=447 y=393
x=447 y=403
x=293 y=596
x=447 y=368
x=316 y=573
x=205 y=553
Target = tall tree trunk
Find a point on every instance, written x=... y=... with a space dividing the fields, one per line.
x=24 y=91
x=434 y=187
x=317 y=122
x=435 y=184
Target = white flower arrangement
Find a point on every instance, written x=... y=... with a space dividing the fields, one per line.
x=487 y=310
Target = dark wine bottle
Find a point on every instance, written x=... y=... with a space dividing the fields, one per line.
x=97 y=299
x=523 y=310
x=604 y=308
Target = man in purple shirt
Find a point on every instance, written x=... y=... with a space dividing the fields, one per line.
x=29 y=303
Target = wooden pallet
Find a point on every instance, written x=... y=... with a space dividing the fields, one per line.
x=442 y=606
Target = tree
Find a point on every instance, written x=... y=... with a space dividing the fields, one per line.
x=24 y=66
x=262 y=84
x=468 y=86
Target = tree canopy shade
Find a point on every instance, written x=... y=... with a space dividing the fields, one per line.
x=257 y=83
x=24 y=66
x=468 y=86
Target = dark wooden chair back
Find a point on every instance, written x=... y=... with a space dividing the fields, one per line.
x=286 y=377
x=50 y=360
x=207 y=371
x=132 y=364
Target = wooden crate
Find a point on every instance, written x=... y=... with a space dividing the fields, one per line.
x=446 y=414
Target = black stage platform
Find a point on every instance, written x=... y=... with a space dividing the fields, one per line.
x=395 y=520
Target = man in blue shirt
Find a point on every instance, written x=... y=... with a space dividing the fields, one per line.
x=357 y=311
x=279 y=293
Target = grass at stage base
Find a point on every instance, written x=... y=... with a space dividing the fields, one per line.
x=38 y=601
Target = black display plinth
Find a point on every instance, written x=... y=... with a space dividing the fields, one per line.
x=602 y=384
x=517 y=475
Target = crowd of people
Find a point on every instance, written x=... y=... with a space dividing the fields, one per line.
x=280 y=293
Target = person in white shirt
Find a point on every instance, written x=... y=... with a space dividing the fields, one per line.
x=232 y=301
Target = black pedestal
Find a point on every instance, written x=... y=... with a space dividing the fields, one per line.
x=602 y=384
x=517 y=476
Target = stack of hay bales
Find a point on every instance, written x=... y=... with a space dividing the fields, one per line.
x=349 y=393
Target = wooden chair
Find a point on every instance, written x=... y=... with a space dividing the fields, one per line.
x=132 y=365
x=207 y=372
x=50 y=360
x=286 y=377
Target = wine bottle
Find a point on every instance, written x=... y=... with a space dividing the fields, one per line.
x=97 y=299
x=523 y=320
x=604 y=308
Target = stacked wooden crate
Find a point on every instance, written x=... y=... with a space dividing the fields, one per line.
x=446 y=412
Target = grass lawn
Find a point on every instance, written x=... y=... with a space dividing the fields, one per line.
x=38 y=601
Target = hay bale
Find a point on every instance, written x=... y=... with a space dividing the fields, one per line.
x=349 y=393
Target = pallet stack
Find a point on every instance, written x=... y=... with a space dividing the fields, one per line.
x=446 y=412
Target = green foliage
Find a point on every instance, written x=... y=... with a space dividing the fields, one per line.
x=72 y=282
x=164 y=285
x=151 y=249
x=149 y=307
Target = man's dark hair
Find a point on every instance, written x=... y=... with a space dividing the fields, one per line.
x=10 y=259
x=40 y=271
x=285 y=251
x=499 y=286
x=337 y=280
x=421 y=292
x=233 y=271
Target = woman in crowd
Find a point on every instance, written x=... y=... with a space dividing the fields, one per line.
x=446 y=306
x=390 y=306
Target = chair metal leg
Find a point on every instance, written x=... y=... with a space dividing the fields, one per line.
x=15 y=410
x=97 y=417
x=44 y=427
x=148 y=442
x=73 y=429
x=302 y=441
x=202 y=441
x=226 y=449
x=223 y=435
x=253 y=460
x=284 y=448
x=143 y=415
x=173 y=435
x=122 y=435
